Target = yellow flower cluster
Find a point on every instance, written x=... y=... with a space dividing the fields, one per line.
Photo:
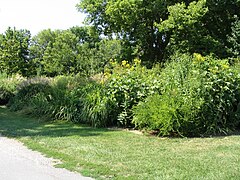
x=125 y=64
x=137 y=61
x=113 y=62
x=198 y=57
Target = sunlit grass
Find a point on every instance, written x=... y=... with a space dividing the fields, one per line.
x=116 y=154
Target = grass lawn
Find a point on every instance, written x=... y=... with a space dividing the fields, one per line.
x=115 y=154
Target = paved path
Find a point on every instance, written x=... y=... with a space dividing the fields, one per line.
x=19 y=163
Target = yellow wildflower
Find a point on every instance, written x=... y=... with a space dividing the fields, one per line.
x=137 y=61
x=198 y=57
x=128 y=66
x=124 y=63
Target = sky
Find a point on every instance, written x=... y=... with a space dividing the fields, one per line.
x=36 y=15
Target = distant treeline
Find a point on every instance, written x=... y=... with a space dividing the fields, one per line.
x=60 y=52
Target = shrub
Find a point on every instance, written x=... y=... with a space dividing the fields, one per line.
x=64 y=97
x=221 y=108
x=174 y=110
x=30 y=95
x=44 y=97
x=198 y=96
x=8 y=87
x=127 y=85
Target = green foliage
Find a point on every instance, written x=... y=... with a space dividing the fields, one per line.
x=187 y=30
x=86 y=34
x=94 y=106
x=44 y=97
x=198 y=96
x=133 y=22
x=218 y=21
x=128 y=85
x=8 y=87
x=28 y=92
x=79 y=50
x=234 y=38
x=104 y=102
x=221 y=110
x=187 y=25
x=190 y=96
x=14 y=53
x=91 y=61
x=60 y=58
x=64 y=97
x=174 y=110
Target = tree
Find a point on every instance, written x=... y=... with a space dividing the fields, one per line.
x=77 y=50
x=60 y=57
x=137 y=22
x=86 y=34
x=234 y=38
x=218 y=22
x=132 y=21
x=39 y=44
x=14 y=52
x=91 y=61
x=186 y=28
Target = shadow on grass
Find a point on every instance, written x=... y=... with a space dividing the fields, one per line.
x=16 y=125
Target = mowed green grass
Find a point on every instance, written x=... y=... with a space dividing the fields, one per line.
x=117 y=154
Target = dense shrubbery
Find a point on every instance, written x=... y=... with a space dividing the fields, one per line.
x=8 y=87
x=45 y=97
x=108 y=101
x=190 y=96
x=128 y=85
x=104 y=101
x=177 y=105
x=198 y=96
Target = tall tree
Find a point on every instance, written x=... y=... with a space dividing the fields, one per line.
x=60 y=57
x=137 y=23
x=14 y=51
x=39 y=44
x=86 y=34
x=77 y=50
x=133 y=21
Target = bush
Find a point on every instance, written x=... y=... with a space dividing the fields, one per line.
x=221 y=108
x=198 y=96
x=8 y=87
x=32 y=96
x=107 y=100
x=127 y=85
x=46 y=98
x=64 y=97
x=174 y=110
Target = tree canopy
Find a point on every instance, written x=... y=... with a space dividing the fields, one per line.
x=152 y=29
x=124 y=30
x=14 y=52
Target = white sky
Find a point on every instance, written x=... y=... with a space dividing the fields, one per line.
x=36 y=15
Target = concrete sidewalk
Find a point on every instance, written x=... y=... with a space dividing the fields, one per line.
x=19 y=163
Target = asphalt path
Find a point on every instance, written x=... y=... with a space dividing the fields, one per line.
x=20 y=163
